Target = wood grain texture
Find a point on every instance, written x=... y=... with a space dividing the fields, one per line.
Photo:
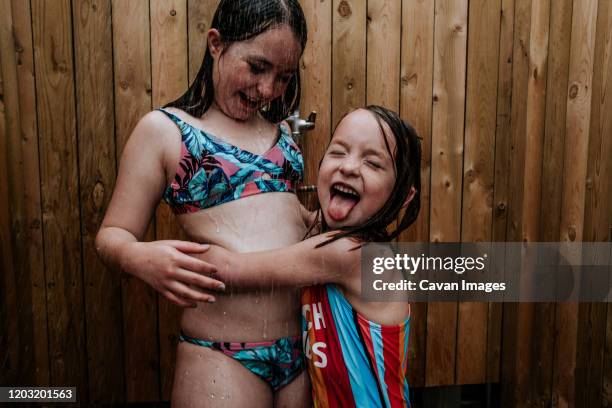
x=132 y=91
x=316 y=77
x=590 y=349
x=383 y=34
x=9 y=338
x=169 y=67
x=199 y=17
x=478 y=176
x=384 y=22
x=349 y=57
x=95 y=125
x=535 y=119
x=450 y=49
x=551 y=186
x=556 y=106
x=590 y=354
x=27 y=215
x=503 y=121
x=574 y=182
x=502 y=174
x=607 y=377
x=598 y=204
x=55 y=95
x=534 y=319
x=416 y=92
x=517 y=318
x=520 y=79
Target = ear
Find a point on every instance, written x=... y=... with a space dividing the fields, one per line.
x=410 y=197
x=215 y=43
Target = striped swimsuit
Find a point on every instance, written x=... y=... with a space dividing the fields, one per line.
x=352 y=362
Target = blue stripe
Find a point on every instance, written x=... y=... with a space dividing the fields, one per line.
x=406 y=338
x=379 y=357
x=363 y=383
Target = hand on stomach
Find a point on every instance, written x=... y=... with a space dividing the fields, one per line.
x=255 y=223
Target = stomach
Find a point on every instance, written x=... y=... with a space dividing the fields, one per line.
x=255 y=223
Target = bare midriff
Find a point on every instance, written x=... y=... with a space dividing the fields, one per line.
x=256 y=223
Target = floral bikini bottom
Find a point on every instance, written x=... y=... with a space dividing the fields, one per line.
x=277 y=362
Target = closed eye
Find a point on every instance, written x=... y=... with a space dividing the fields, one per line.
x=374 y=164
x=257 y=69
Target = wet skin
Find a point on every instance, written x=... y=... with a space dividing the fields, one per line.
x=247 y=75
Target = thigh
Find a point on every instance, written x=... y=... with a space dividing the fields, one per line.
x=296 y=394
x=208 y=378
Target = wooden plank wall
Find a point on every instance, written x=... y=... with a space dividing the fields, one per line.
x=510 y=97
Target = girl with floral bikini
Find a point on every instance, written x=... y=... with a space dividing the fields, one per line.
x=228 y=170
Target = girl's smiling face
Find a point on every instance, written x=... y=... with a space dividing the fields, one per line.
x=249 y=74
x=357 y=173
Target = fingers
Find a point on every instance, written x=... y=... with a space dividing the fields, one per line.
x=176 y=300
x=197 y=265
x=188 y=247
x=182 y=291
x=200 y=281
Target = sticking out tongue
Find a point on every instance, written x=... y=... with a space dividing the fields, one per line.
x=340 y=205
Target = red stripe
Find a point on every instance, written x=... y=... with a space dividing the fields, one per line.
x=316 y=376
x=393 y=365
x=364 y=328
x=338 y=385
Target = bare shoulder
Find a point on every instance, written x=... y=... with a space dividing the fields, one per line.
x=155 y=136
x=383 y=312
x=156 y=127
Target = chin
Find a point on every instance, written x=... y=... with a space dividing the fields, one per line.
x=337 y=224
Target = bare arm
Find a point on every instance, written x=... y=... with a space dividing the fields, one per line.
x=300 y=264
x=165 y=265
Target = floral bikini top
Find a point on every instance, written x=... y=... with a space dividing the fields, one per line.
x=212 y=172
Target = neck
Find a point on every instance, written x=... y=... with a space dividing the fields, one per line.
x=217 y=113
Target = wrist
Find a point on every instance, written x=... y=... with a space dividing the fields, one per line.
x=126 y=258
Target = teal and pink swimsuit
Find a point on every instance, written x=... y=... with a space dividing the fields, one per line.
x=212 y=172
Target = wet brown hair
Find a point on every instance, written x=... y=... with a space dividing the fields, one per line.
x=240 y=20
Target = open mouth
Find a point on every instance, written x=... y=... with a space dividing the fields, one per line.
x=251 y=103
x=343 y=199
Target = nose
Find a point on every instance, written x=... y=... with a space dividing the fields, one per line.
x=349 y=166
x=267 y=87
